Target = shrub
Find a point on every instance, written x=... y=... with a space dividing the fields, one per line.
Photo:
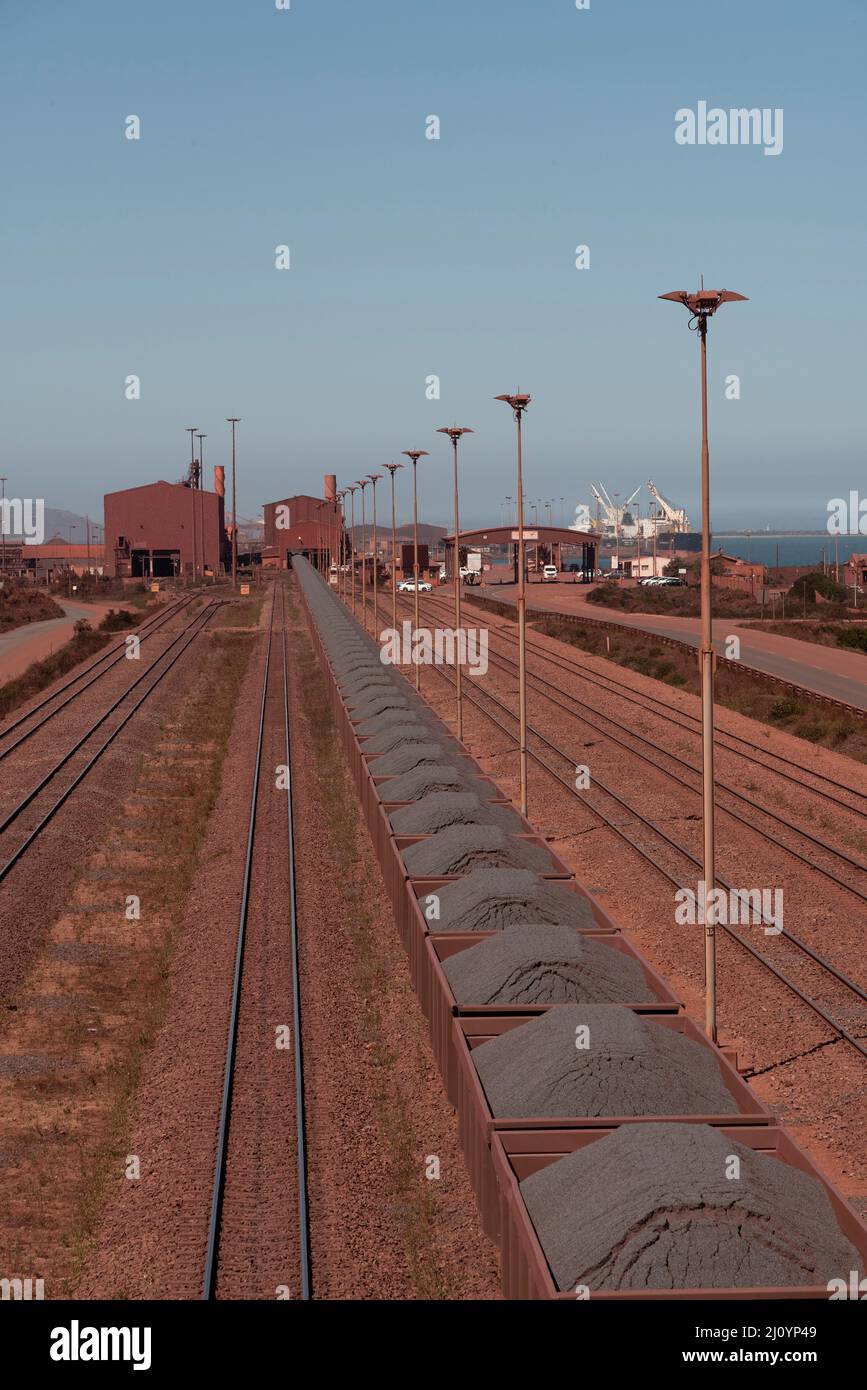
x=785 y=708
x=855 y=637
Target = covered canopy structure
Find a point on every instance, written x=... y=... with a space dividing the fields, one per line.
x=552 y=540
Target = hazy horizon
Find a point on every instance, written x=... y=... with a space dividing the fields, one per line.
x=413 y=257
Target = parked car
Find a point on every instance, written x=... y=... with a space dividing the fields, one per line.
x=407 y=586
x=549 y=572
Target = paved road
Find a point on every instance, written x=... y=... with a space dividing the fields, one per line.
x=24 y=645
x=829 y=671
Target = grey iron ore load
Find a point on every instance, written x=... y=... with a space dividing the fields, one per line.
x=652 y=1204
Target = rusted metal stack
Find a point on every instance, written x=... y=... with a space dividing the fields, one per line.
x=399 y=752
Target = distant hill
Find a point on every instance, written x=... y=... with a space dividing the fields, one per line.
x=428 y=535
x=58 y=522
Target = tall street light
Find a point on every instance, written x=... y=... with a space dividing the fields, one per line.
x=233 y=420
x=3 y=481
x=701 y=306
x=362 y=483
x=415 y=455
x=454 y=433
x=352 y=489
x=392 y=468
x=201 y=438
x=518 y=404
x=374 y=479
x=191 y=430
x=341 y=587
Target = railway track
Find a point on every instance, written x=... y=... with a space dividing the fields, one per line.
x=107 y=660
x=569 y=703
x=847 y=799
x=849 y=995
x=535 y=1219
x=50 y=793
x=249 y=1203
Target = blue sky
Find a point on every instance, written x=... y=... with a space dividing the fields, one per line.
x=412 y=257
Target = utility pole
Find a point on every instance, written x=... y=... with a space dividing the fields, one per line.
x=201 y=438
x=374 y=479
x=392 y=468
x=352 y=489
x=415 y=455
x=518 y=404
x=3 y=480
x=454 y=433
x=701 y=306
x=362 y=483
x=234 y=420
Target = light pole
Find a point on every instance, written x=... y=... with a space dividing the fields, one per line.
x=352 y=489
x=3 y=523
x=362 y=483
x=374 y=479
x=339 y=499
x=701 y=306
x=233 y=420
x=415 y=455
x=518 y=404
x=454 y=433
x=201 y=438
x=70 y=529
x=392 y=468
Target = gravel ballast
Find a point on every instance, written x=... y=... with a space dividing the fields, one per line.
x=545 y=965
x=463 y=848
x=491 y=899
x=630 y=1066
x=650 y=1207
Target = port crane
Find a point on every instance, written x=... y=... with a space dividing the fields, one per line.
x=676 y=515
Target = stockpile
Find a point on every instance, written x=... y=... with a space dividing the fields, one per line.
x=599 y=1059
x=544 y=965
x=491 y=899
x=651 y=1207
x=443 y=809
x=663 y=1206
x=462 y=848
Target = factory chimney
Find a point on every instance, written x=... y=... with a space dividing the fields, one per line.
x=330 y=487
x=220 y=490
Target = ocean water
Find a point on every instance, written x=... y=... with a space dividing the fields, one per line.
x=791 y=550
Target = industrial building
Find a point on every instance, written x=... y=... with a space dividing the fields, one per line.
x=303 y=525
x=47 y=561
x=166 y=529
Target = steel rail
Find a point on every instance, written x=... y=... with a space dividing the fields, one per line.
x=576 y=704
x=300 y=1116
x=190 y=634
x=833 y=1023
x=88 y=733
x=221 y=1162
x=625 y=692
x=117 y=652
x=210 y=1279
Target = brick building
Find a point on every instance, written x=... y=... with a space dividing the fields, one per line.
x=164 y=529
x=302 y=525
